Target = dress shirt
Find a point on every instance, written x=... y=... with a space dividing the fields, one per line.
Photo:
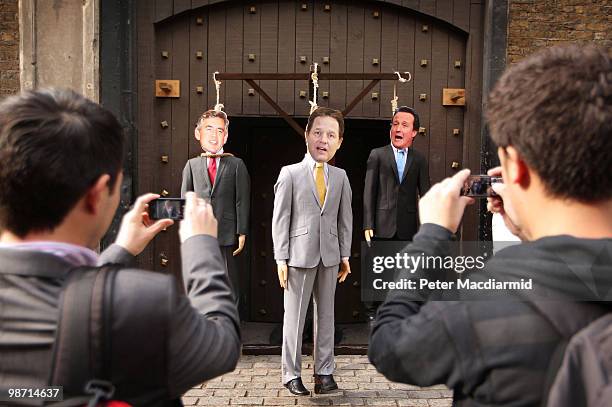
x=395 y=150
x=217 y=159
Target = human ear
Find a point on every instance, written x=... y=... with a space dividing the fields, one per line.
x=514 y=168
x=196 y=133
x=94 y=195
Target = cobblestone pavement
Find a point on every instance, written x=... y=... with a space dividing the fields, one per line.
x=256 y=382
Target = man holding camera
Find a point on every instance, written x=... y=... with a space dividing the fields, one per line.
x=551 y=119
x=60 y=184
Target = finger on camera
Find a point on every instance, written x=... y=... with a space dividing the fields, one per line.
x=458 y=180
x=495 y=171
x=142 y=201
x=160 y=225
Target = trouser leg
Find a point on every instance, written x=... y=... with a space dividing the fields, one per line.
x=232 y=271
x=296 y=298
x=324 y=292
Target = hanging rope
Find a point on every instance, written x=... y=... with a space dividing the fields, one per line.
x=218 y=106
x=402 y=80
x=315 y=85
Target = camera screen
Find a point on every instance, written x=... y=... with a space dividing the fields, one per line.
x=479 y=186
x=167 y=208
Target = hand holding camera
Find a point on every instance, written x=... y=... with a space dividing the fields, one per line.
x=198 y=218
x=443 y=204
x=137 y=228
x=497 y=204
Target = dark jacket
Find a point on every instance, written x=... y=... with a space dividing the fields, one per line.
x=230 y=196
x=201 y=339
x=585 y=378
x=491 y=353
x=390 y=208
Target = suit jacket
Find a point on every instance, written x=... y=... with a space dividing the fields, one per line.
x=303 y=231
x=230 y=196
x=389 y=207
x=201 y=341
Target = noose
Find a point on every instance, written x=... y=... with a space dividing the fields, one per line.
x=218 y=106
x=394 y=100
x=315 y=85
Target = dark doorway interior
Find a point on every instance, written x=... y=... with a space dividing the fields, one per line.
x=267 y=144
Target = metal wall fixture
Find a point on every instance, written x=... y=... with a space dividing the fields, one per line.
x=423 y=97
x=458 y=63
x=199 y=89
x=262 y=311
x=303 y=59
x=164 y=192
x=456 y=132
x=326 y=60
x=304 y=6
x=251 y=57
x=425 y=28
x=165 y=54
x=167 y=88
x=164 y=159
x=199 y=54
x=252 y=9
x=455 y=165
x=199 y=20
x=422 y=131
x=376 y=14
x=327 y=7
x=163 y=260
x=251 y=92
x=325 y=94
x=302 y=93
x=424 y=62
x=164 y=124
x=375 y=61
x=374 y=95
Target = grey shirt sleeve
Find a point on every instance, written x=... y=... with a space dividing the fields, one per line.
x=205 y=332
x=117 y=255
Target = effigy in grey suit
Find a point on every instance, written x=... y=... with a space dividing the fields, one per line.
x=312 y=230
x=224 y=180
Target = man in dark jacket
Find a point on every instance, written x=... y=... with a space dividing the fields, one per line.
x=550 y=117
x=60 y=183
x=397 y=174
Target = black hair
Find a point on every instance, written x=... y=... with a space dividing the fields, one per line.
x=54 y=145
x=406 y=109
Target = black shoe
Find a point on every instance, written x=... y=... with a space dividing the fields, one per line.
x=296 y=387
x=324 y=383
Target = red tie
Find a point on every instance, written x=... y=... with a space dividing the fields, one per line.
x=212 y=170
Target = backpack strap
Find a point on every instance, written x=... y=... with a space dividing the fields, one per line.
x=82 y=340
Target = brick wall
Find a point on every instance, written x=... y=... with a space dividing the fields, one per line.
x=535 y=24
x=9 y=47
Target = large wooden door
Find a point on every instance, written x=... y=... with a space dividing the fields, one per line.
x=438 y=41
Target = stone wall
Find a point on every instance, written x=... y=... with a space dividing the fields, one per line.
x=9 y=47
x=535 y=24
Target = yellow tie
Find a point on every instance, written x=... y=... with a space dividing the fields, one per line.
x=320 y=181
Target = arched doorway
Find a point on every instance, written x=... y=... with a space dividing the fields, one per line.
x=439 y=42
